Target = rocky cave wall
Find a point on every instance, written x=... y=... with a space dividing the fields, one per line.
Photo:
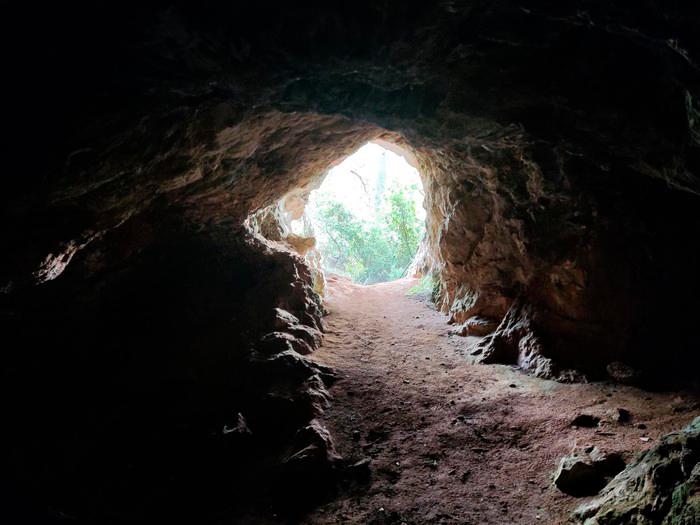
x=558 y=146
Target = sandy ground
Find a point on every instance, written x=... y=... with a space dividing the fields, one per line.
x=452 y=442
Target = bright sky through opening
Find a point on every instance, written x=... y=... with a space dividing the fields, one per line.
x=367 y=216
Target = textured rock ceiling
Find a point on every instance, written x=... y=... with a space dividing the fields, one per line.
x=547 y=134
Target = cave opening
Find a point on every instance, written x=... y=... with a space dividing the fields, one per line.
x=367 y=216
x=175 y=352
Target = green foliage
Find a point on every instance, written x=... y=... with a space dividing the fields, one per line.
x=370 y=251
x=425 y=287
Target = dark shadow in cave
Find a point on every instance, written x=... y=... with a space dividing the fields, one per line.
x=157 y=349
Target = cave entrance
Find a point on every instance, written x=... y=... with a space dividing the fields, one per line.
x=367 y=215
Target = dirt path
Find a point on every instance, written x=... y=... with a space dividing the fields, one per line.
x=452 y=442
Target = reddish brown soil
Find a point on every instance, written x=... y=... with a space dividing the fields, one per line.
x=451 y=442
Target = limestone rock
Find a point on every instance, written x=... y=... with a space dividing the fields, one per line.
x=585 y=473
x=301 y=245
x=312 y=466
x=477 y=326
x=661 y=487
x=288 y=323
x=240 y=428
x=284 y=319
x=277 y=342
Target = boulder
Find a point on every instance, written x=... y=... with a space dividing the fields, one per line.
x=662 y=487
x=585 y=474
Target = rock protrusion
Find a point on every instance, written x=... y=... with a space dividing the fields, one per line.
x=662 y=487
x=586 y=473
x=476 y=326
x=514 y=341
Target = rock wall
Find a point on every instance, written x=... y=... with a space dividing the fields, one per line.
x=174 y=385
x=558 y=145
x=660 y=487
x=595 y=270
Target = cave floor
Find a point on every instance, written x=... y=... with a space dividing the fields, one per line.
x=450 y=441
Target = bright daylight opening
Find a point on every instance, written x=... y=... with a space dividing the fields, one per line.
x=367 y=216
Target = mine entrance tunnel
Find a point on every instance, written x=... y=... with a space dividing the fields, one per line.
x=170 y=353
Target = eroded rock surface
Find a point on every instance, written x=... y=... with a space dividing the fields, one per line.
x=550 y=175
x=662 y=487
x=585 y=473
x=181 y=373
x=478 y=326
